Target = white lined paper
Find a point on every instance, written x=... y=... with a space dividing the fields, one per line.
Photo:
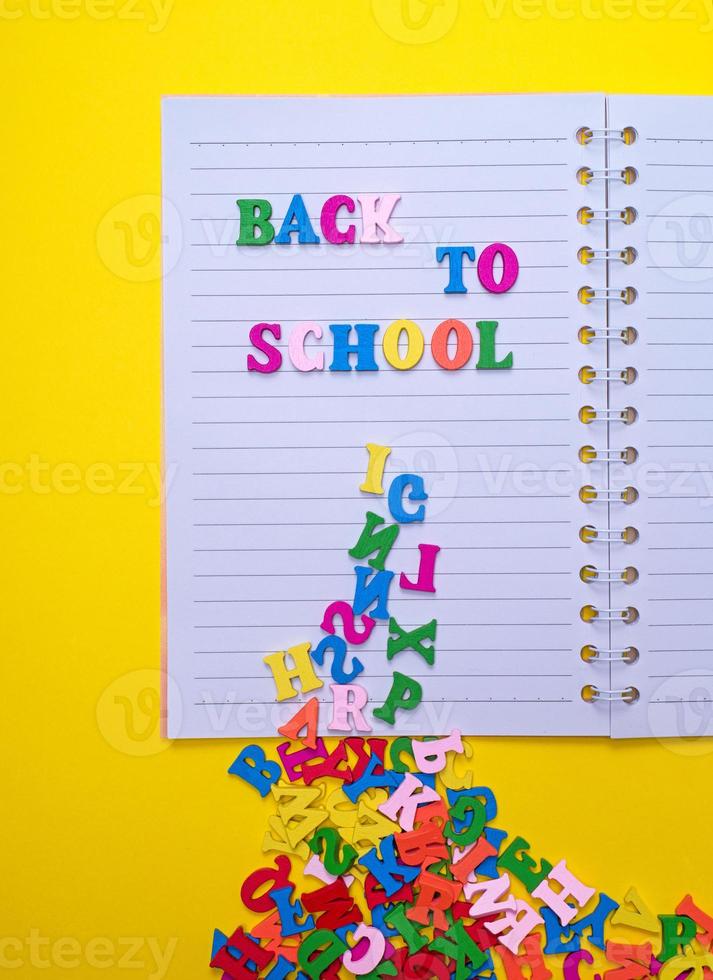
x=265 y=503
x=674 y=396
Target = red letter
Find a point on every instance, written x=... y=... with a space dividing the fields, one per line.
x=439 y=344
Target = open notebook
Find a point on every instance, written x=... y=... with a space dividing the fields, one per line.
x=571 y=493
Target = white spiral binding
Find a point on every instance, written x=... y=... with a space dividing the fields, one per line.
x=585 y=135
x=612 y=455
x=626 y=694
x=605 y=535
x=610 y=333
x=620 y=614
x=626 y=216
x=611 y=374
x=594 y=574
x=587 y=295
x=627 y=295
x=623 y=255
x=586 y=175
x=627 y=655
x=611 y=414
x=588 y=494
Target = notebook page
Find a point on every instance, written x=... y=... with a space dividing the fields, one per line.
x=264 y=502
x=674 y=397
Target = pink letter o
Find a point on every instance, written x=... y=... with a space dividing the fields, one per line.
x=486 y=262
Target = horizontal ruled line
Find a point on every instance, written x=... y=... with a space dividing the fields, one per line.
x=664 y=471
x=468 y=445
x=669 y=700
x=359 y=524
x=214 y=704
x=668 y=241
x=681 y=650
x=359 y=268
x=430 y=292
x=678 y=139
x=680 y=599
x=681 y=523
x=379 y=346
x=654 y=677
x=393 y=600
x=317 y=192
x=301 y=626
x=331 y=575
x=386 y=316
x=391 y=142
x=433 y=496
x=420 y=370
x=402 y=219
x=259 y=653
x=304 y=472
x=512 y=241
x=372 y=397
x=474 y=676
x=383 y=421
x=456 y=547
x=309 y=168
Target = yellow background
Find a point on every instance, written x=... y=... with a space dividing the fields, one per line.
x=107 y=832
